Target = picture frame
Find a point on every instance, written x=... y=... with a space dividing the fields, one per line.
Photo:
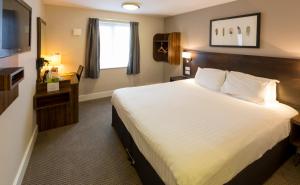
x=241 y=31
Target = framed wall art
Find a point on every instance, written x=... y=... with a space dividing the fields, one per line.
x=239 y=31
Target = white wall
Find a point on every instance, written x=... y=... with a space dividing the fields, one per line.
x=17 y=122
x=61 y=21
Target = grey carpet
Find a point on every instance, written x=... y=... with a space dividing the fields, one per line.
x=90 y=153
x=86 y=153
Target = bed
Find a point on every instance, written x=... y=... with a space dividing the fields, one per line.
x=182 y=133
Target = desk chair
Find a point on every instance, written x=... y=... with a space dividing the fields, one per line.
x=79 y=72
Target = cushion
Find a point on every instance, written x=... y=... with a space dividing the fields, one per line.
x=251 y=88
x=210 y=78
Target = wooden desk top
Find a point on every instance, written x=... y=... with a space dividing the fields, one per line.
x=72 y=77
x=64 y=83
x=45 y=93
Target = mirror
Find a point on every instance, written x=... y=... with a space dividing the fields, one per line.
x=41 y=34
x=41 y=46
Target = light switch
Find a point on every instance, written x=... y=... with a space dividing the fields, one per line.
x=187 y=72
x=77 y=32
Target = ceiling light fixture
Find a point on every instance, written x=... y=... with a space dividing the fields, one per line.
x=130 y=6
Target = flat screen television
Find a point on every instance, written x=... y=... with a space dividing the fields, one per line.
x=15 y=27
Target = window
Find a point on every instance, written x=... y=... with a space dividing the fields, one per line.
x=114 y=44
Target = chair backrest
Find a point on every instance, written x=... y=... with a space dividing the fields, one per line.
x=79 y=72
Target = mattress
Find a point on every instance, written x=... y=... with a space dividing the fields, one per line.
x=192 y=136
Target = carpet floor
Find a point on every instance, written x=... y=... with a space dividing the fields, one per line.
x=90 y=153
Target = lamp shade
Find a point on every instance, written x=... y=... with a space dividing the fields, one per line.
x=186 y=55
x=55 y=60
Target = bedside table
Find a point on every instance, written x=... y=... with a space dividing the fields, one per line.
x=176 y=78
x=295 y=136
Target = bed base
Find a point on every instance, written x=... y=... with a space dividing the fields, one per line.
x=256 y=173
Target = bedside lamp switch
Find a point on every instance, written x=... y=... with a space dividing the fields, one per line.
x=187 y=70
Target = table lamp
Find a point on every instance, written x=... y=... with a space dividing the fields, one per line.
x=55 y=63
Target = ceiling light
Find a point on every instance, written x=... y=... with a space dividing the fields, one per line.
x=130 y=6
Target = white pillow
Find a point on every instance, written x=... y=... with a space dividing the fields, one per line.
x=209 y=78
x=250 y=88
x=271 y=92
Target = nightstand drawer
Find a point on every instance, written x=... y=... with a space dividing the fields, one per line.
x=295 y=135
x=295 y=131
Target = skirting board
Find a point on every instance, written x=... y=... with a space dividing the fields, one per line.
x=103 y=94
x=93 y=96
x=24 y=163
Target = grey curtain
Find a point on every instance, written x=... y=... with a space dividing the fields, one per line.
x=134 y=55
x=92 y=58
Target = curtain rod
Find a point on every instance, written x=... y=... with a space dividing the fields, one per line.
x=114 y=20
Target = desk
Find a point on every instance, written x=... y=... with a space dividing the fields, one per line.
x=58 y=108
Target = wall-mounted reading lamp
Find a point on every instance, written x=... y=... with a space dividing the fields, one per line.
x=187 y=56
x=187 y=66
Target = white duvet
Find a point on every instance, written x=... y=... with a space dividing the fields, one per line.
x=194 y=136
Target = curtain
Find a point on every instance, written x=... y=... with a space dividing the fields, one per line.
x=134 y=52
x=174 y=48
x=92 y=58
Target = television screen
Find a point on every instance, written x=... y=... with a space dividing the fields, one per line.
x=15 y=27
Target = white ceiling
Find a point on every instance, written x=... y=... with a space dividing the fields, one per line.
x=151 y=7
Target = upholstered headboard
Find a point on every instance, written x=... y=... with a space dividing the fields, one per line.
x=286 y=70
